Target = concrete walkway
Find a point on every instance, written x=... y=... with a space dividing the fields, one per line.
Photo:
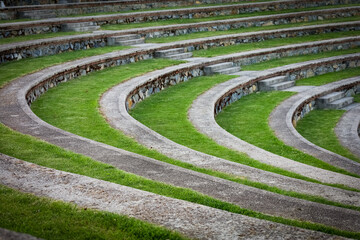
x=282 y=123
x=201 y=114
x=113 y=107
x=347 y=130
x=17 y=115
x=191 y=219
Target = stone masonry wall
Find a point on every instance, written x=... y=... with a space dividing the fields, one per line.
x=11 y=30
x=116 y=6
x=156 y=85
x=87 y=43
x=295 y=74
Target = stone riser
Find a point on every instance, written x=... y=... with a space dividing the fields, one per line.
x=169 y=52
x=11 y=30
x=180 y=56
x=104 y=7
x=52 y=47
x=343 y=102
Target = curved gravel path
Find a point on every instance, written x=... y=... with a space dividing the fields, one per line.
x=281 y=121
x=201 y=114
x=193 y=220
x=347 y=130
x=113 y=107
x=17 y=115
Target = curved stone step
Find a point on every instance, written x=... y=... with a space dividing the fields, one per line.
x=282 y=122
x=201 y=115
x=191 y=219
x=347 y=130
x=9 y=52
x=18 y=116
x=119 y=118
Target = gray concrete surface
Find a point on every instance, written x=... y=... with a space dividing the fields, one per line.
x=191 y=219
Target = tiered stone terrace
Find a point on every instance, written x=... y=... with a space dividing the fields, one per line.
x=192 y=219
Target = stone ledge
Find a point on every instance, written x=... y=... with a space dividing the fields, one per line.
x=285 y=116
x=17 y=115
x=348 y=130
x=12 y=52
x=48 y=26
x=193 y=220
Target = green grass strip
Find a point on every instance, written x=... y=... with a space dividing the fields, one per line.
x=23 y=147
x=244 y=30
x=81 y=117
x=329 y=77
x=247 y=119
x=39 y=152
x=12 y=70
x=295 y=59
x=37 y=36
x=217 y=51
x=48 y=219
x=123 y=26
x=318 y=127
x=357 y=98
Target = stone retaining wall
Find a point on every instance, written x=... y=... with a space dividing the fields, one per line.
x=48 y=26
x=49 y=47
x=115 y=6
x=167 y=80
x=310 y=104
x=137 y=4
x=295 y=74
x=178 y=75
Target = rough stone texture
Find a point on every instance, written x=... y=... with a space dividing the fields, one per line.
x=36 y=48
x=46 y=26
x=17 y=115
x=201 y=114
x=81 y=8
x=93 y=63
x=191 y=219
x=347 y=130
x=11 y=235
x=285 y=116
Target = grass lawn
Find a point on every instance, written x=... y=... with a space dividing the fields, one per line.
x=217 y=51
x=81 y=117
x=15 y=69
x=48 y=219
x=329 y=77
x=321 y=133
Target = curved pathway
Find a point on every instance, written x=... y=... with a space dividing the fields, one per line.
x=347 y=130
x=281 y=121
x=35 y=48
x=17 y=115
x=191 y=219
x=201 y=114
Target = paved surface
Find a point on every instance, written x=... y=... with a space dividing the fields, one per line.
x=113 y=108
x=347 y=130
x=201 y=114
x=281 y=122
x=298 y=89
x=190 y=219
x=11 y=235
x=17 y=115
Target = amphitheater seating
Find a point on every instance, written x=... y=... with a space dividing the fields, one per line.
x=280 y=193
